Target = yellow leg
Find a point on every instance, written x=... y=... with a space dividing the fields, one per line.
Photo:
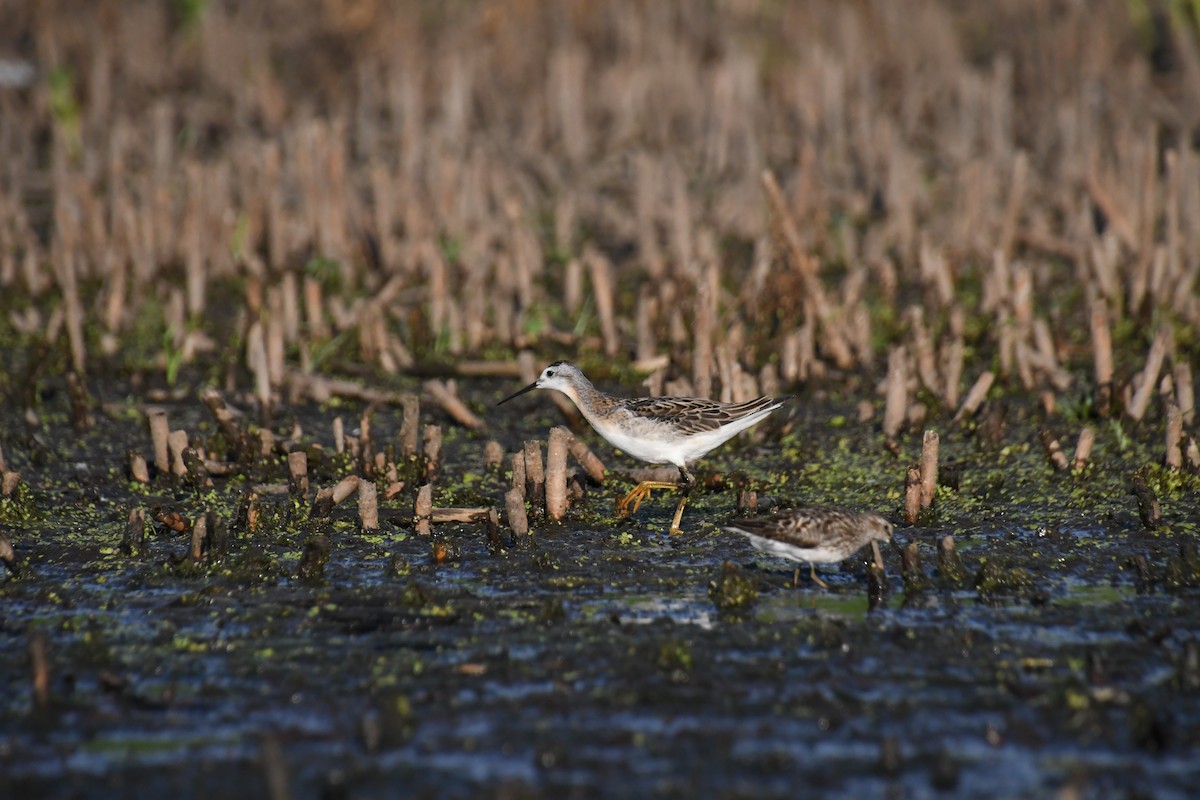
x=675 y=529
x=640 y=493
x=796 y=579
x=813 y=572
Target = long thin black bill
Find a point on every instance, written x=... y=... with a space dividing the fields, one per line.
x=528 y=388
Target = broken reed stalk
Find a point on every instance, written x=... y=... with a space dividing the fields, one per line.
x=339 y=436
x=177 y=442
x=535 y=476
x=1083 y=450
x=912 y=494
x=39 y=669
x=160 y=431
x=82 y=418
x=1174 y=456
x=514 y=505
x=228 y=419
x=9 y=481
x=423 y=510
x=1148 y=508
x=199 y=535
x=1154 y=362
x=410 y=425
x=366 y=447
x=950 y=566
x=1102 y=355
x=1185 y=390
x=896 y=403
x=432 y=452
x=1058 y=459
x=929 y=467
x=368 y=506
x=449 y=402
x=139 y=471
x=584 y=456
x=556 y=473
x=297 y=462
x=195 y=471
x=518 y=472
x=975 y=396
x=911 y=571
x=493 y=456
x=441 y=516
x=331 y=496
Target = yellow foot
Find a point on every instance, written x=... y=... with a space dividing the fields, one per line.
x=676 y=531
x=639 y=493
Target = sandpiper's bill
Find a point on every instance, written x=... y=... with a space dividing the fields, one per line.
x=816 y=534
x=660 y=430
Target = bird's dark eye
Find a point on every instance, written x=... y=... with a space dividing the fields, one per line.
x=549 y=373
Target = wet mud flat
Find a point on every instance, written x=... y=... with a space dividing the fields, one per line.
x=602 y=657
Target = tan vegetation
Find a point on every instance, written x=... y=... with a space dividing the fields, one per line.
x=730 y=195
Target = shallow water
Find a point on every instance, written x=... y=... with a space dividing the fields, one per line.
x=592 y=660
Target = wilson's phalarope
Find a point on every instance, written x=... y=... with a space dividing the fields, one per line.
x=660 y=430
x=817 y=534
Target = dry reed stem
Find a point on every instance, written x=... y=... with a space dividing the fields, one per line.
x=1149 y=375
x=975 y=396
x=410 y=425
x=535 y=476
x=1102 y=354
x=440 y=516
x=432 y=452
x=1148 y=507
x=449 y=402
x=912 y=494
x=1185 y=391
x=423 y=510
x=493 y=456
x=929 y=467
x=556 y=472
x=896 y=394
x=590 y=462
x=518 y=472
x=1174 y=438
x=297 y=462
x=133 y=541
x=368 y=506
x=39 y=669
x=199 y=537
x=1083 y=450
x=139 y=471
x=514 y=504
x=160 y=429
x=339 y=436
x=177 y=442
x=1058 y=458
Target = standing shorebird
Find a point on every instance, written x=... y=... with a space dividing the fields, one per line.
x=817 y=534
x=660 y=430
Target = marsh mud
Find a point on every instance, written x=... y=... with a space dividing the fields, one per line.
x=600 y=657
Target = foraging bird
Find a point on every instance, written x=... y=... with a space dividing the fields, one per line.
x=817 y=534
x=660 y=430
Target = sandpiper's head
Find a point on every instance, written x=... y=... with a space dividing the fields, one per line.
x=561 y=375
x=880 y=528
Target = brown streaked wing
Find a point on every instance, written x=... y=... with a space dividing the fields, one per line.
x=806 y=527
x=694 y=414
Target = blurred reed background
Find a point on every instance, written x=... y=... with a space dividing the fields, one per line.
x=734 y=197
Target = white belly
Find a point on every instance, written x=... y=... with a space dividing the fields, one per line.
x=659 y=444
